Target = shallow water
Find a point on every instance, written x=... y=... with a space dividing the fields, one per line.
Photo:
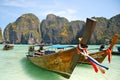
x=15 y=66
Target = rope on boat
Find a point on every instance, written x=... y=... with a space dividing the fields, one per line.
x=93 y=62
x=94 y=66
x=109 y=53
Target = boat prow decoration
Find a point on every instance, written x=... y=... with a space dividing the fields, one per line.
x=101 y=55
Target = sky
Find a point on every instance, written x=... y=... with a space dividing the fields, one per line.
x=10 y=10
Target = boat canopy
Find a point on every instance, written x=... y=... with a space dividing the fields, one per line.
x=61 y=46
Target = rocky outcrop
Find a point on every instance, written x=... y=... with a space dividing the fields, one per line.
x=105 y=30
x=58 y=30
x=114 y=26
x=55 y=29
x=23 y=29
x=76 y=30
x=99 y=35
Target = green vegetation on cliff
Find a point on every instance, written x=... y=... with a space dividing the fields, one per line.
x=55 y=29
x=25 y=27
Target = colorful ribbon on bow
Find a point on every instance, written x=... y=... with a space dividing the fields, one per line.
x=109 y=53
x=92 y=61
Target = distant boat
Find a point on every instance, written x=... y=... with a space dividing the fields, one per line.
x=116 y=52
x=8 y=46
x=118 y=48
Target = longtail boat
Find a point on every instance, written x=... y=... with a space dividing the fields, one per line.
x=64 y=62
x=101 y=55
x=8 y=47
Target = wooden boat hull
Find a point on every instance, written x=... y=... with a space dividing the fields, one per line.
x=61 y=62
x=99 y=56
x=8 y=47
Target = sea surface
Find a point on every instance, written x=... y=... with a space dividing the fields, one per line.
x=15 y=66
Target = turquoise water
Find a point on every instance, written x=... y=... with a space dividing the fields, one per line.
x=15 y=66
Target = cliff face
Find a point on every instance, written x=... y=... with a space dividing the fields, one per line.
x=114 y=26
x=59 y=30
x=55 y=29
x=26 y=27
x=105 y=30
x=99 y=35
x=76 y=30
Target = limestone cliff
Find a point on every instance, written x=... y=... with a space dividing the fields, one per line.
x=105 y=30
x=99 y=35
x=114 y=26
x=55 y=29
x=58 y=30
x=23 y=29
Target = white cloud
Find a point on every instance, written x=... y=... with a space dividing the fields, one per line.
x=19 y=3
x=67 y=11
x=70 y=14
x=71 y=11
x=42 y=8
